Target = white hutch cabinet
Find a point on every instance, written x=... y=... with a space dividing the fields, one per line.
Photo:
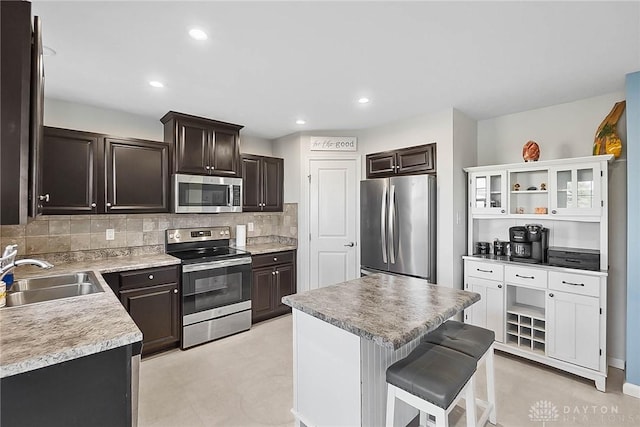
x=552 y=315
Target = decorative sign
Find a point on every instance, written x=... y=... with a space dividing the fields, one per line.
x=334 y=143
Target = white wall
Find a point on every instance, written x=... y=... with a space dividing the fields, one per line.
x=562 y=131
x=288 y=148
x=255 y=145
x=69 y=115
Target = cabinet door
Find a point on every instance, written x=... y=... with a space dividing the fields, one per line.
x=262 y=288
x=225 y=153
x=69 y=175
x=272 y=184
x=488 y=193
x=416 y=160
x=155 y=310
x=137 y=176
x=192 y=147
x=489 y=311
x=573 y=328
x=251 y=183
x=380 y=165
x=576 y=190
x=285 y=285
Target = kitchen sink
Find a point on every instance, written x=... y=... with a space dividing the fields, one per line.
x=29 y=291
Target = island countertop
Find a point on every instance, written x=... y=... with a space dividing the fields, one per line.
x=389 y=310
x=42 y=334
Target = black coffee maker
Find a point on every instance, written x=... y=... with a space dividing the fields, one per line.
x=529 y=243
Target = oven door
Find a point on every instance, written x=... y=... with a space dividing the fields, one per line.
x=210 y=289
x=206 y=194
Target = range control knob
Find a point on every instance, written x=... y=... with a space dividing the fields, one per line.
x=176 y=236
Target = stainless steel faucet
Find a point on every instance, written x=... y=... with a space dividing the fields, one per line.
x=8 y=261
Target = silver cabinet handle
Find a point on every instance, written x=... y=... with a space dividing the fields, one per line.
x=207 y=167
x=273 y=273
x=484 y=271
x=553 y=211
x=525 y=277
x=573 y=284
x=277 y=272
x=175 y=291
x=275 y=259
x=499 y=286
x=502 y=211
x=151 y=277
x=108 y=204
x=350 y=244
x=93 y=205
x=44 y=197
x=551 y=295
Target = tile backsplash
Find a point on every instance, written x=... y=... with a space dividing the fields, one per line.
x=61 y=238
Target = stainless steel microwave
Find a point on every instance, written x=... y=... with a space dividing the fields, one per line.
x=206 y=194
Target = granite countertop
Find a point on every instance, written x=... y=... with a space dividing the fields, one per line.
x=38 y=335
x=389 y=310
x=265 y=248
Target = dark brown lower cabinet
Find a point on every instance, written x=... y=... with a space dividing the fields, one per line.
x=274 y=276
x=152 y=298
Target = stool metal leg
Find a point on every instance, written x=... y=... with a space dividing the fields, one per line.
x=391 y=403
x=491 y=388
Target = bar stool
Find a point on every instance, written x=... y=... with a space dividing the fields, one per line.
x=475 y=342
x=432 y=379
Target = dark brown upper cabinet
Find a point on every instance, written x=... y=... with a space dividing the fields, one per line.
x=21 y=106
x=406 y=161
x=70 y=161
x=85 y=173
x=137 y=175
x=202 y=146
x=262 y=183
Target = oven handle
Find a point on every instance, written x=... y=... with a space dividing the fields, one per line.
x=215 y=264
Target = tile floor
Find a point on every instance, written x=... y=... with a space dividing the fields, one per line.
x=246 y=380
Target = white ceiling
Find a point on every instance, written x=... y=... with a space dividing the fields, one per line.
x=267 y=64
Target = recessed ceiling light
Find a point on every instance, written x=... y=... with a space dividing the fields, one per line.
x=47 y=51
x=363 y=100
x=300 y=122
x=156 y=83
x=197 y=34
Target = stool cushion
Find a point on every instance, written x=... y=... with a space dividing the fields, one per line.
x=433 y=373
x=471 y=340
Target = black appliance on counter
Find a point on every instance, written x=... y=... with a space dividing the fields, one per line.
x=216 y=284
x=585 y=259
x=529 y=243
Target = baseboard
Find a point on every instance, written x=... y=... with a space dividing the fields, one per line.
x=616 y=363
x=631 y=390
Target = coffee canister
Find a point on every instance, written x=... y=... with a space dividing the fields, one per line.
x=482 y=248
x=499 y=248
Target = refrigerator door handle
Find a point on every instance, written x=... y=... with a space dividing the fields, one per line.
x=392 y=223
x=383 y=218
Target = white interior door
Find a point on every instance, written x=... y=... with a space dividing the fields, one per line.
x=333 y=221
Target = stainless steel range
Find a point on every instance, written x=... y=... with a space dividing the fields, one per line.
x=216 y=284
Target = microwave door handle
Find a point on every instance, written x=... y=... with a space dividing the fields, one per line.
x=230 y=195
x=383 y=222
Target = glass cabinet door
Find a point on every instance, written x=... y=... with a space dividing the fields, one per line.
x=576 y=191
x=488 y=192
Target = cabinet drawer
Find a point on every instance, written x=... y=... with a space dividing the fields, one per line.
x=272 y=259
x=574 y=283
x=148 y=277
x=525 y=276
x=484 y=270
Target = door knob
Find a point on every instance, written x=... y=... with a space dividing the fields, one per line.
x=350 y=244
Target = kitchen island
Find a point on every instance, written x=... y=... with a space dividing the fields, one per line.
x=346 y=335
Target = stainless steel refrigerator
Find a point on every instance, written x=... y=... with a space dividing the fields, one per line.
x=398 y=226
